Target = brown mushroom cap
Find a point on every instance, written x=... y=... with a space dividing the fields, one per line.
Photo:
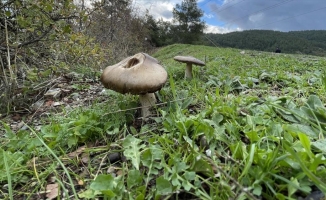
x=138 y=74
x=189 y=59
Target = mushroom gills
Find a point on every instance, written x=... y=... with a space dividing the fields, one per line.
x=132 y=62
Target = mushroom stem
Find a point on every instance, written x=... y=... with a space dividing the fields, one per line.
x=188 y=73
x=147 y=101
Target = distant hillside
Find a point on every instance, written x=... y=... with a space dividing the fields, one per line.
x=311 y=42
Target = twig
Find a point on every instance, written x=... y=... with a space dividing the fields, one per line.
x=101 y=163
x=49 y=82
x=6 y=4
x=8 y=55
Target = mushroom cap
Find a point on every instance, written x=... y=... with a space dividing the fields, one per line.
x=138 y=74
x=189 y=59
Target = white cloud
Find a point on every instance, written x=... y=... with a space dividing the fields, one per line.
x=209 y=16
x=256 y=17
x=160 y=9
x=219 y=29
x=286 y=15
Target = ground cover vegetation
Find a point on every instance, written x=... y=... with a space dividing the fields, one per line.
x=248 y=125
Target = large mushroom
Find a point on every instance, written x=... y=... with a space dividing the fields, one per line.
x=139 y=74
x=189 y=60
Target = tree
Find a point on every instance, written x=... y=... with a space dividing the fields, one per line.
x=28 y=28
x=39 y=41
x=159 y=31
x=116 y=26
x=189 y=27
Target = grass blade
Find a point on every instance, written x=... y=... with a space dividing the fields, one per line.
x=250 y=160
x=8 y=175
x=59 y=161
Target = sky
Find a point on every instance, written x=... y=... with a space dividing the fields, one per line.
x=223 y=16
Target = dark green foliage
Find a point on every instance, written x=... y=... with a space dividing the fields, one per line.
x=311 y=42
x=186 y=27
x=159 y=32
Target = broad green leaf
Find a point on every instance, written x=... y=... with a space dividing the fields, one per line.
x=103 y=182
x=280 y=196
x=163 y=186
x=175 y=180
x=314 y=116
x=257 y=190
x=151 y=158
x=291 y=189
x=88 y=194
x=141 y=190
x=287 y=116
x=132 y=150
x=320 y=144
x=190 y=142
x=140 y=197
x=317 y=181
x=133 y=130
x=253 y=136
x=217 y=118
x=190 y=176
x=186 y=103
x=305 y=141
x=71 y=141
x=108 y=193
x=275 y=129
x=201 y=166
x=317 y=161
x=179 y=167
x=186 y=185
x=314 y=102
x=156 y=152
x=292 y=163
x=300 y=128
x=134 y=178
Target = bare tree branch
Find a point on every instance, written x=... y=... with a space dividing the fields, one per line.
x=6 y=4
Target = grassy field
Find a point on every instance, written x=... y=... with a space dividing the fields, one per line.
x=249 y=125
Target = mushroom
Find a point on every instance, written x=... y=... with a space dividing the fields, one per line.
x=189 y=60
x=139 y=74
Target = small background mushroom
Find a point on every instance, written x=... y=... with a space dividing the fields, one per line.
x=139 y=74
x=189 y=60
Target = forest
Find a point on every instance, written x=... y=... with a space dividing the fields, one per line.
x=312 y=42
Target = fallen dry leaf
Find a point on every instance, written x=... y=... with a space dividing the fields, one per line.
x=49 y=103
x=85 y=158
x=77 y=152
x=52 y=191
x=81 y=182
x=57 y=104
x=120 y=173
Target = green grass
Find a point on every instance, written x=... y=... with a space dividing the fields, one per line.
x=247 y=126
